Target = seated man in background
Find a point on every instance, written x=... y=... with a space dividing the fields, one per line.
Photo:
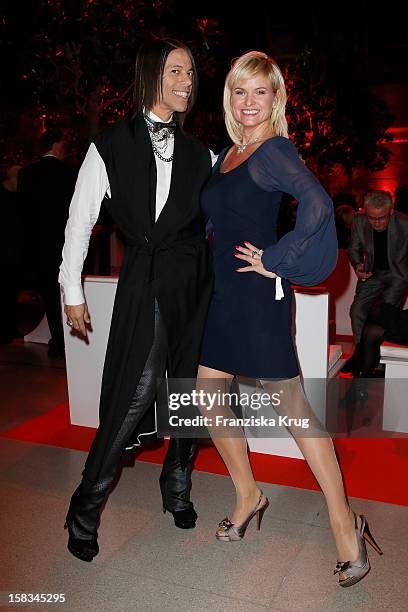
x=384 y=322
x=378 y=252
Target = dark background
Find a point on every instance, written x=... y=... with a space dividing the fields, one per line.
x=345 y=67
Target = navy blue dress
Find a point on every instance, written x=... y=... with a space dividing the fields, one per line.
x=248 y=332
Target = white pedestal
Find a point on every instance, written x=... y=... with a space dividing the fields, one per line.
x=85 y=360
x=395 y=410
x=40 y=334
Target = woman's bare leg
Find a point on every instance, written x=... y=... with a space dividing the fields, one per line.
x=321 y=458
x=232 y=447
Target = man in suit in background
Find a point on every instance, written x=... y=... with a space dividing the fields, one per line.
x=46 y=188
x=378 y=252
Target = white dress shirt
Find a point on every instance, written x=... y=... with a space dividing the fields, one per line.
x=163 y=170
x=91 y=186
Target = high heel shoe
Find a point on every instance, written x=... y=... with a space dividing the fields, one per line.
x=85 y=550
x=233 y=533
x=356 y=570
x=183 y=519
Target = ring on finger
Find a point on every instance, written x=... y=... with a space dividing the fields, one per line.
x=69 y=323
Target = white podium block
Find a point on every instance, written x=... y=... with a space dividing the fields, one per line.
x=395 y=412
x=40 y=334
x=85 y=360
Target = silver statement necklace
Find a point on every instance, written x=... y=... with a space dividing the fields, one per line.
x=159 y=154
x=159 y=140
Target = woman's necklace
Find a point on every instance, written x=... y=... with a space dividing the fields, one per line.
x=241 y=148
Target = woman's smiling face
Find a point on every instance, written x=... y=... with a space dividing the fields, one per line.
x=252 y=101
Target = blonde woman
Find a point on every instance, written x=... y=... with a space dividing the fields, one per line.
x=248 y=330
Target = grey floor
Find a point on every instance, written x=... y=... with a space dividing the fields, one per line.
x=145 y=562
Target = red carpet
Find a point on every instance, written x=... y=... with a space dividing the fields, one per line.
x=373 y=468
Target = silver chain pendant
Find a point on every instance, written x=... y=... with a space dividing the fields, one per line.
x=241 y=148
x=160 y=137
x=160 y=156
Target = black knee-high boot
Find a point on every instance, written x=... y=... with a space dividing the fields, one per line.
x=87 y=502
x=86 y=505
x=175 y=486
x=83 y=517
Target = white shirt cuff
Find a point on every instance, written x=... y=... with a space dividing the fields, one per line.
x=279 y=289
x=73 y=296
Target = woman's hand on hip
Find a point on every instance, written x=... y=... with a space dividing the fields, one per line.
x=78 y=318
x=252 y=255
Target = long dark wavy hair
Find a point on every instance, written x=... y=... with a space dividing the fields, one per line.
x=150 y=60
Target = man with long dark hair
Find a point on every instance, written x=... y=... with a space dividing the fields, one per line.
x=151 y=174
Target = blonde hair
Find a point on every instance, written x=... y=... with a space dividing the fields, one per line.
x=245 y=67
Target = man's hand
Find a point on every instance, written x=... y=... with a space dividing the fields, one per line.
x=79 y=317
x=360 y=272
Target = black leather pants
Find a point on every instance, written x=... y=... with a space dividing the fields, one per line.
x=175 y=483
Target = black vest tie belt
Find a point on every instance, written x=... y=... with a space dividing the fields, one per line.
x=183 y=242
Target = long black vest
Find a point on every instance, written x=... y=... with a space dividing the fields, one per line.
x=168 y=260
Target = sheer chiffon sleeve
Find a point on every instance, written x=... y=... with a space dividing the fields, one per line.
x=307 y=254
